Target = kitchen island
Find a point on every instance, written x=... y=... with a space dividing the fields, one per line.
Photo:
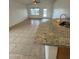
x=50 y=34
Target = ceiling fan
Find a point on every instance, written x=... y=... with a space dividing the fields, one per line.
x=36 y=1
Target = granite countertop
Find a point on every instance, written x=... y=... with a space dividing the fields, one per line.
x=51 y=33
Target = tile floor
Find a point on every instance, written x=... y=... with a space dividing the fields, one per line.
x=21 y=40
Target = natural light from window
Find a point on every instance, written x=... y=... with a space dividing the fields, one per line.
x=35 y=11
x=44 y=12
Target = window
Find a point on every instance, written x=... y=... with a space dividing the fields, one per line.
x=44 y=12
x=35 y=11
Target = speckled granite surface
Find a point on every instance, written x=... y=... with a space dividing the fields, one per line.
x=51 y=33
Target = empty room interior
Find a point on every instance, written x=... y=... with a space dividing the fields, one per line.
x=39 y=29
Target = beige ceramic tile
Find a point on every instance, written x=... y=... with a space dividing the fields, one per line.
x=22 y=44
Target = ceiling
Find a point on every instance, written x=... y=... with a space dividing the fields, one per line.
x=30 y=1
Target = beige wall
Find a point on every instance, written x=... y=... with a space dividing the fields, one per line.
x=61 y=7
x=17 y=12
